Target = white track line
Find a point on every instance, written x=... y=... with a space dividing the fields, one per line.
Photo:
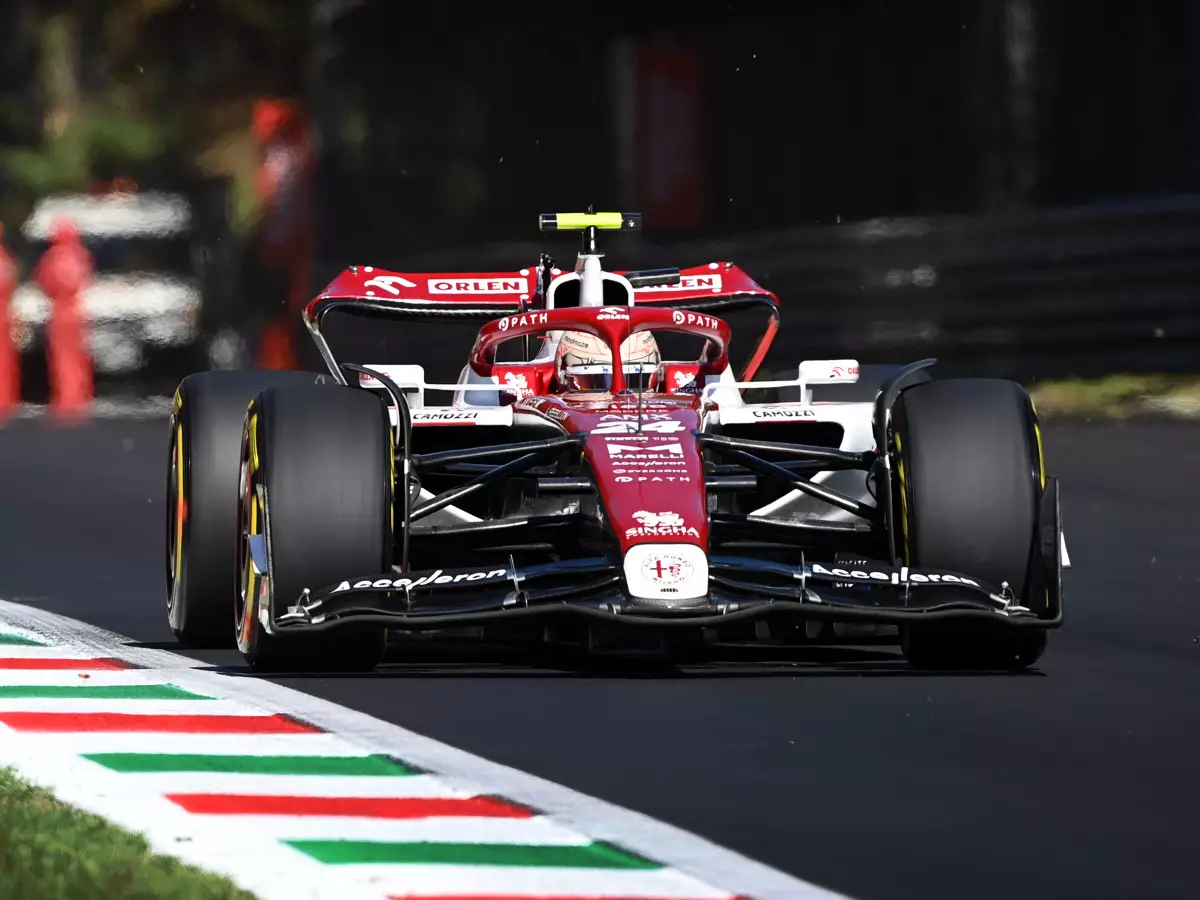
x=106 y=677
x=671 y=846
x=440 y=880
x=451 y=830
x=227 y=744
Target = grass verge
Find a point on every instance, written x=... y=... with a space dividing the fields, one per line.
x=51 y=851
x=1120 y=396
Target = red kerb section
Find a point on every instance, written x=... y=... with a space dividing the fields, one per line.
x=363 y=807
x=45 y=664
x=185 y=724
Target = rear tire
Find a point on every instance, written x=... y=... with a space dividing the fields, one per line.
x=969 y=476
x=202 y=496
x=317 y=480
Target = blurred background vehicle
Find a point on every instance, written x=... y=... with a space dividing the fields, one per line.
x=1010 y=185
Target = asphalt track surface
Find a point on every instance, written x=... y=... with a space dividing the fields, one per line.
x=1081 y=779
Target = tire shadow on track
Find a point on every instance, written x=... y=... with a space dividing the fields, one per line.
x=449 y=661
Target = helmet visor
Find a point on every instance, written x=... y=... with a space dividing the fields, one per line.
x=638 y=377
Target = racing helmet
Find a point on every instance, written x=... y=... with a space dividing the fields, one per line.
x=584 y=363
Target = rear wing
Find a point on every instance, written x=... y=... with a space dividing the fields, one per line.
x=717 y=287
x=514 y=290
x=483 y=309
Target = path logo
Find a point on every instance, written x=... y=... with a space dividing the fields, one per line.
x=681 y=318
x=654 y=524
x=526 y=319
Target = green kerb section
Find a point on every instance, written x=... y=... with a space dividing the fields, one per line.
x=99 y=692
x=17 y=640
x=250 y=765
x=587 y=856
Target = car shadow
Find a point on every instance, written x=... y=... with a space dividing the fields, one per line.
x=454 y=660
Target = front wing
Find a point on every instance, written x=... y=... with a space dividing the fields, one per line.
x=740 y=588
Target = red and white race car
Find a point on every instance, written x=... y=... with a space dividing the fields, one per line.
x=600 y=475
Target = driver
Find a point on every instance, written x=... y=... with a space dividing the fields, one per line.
x=584 y=363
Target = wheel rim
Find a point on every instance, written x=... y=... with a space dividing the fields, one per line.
x=175 y=512
x=245 y=578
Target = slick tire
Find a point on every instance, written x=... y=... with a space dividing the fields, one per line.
x=317 y=475
x=202 y=498
x=969 y=476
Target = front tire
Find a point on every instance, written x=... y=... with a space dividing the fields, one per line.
x=317 y=481
x=969 y=477
x=202 y=497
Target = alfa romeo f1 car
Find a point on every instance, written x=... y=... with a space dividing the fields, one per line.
x=574 y=486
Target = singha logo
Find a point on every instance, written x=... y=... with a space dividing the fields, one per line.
x=517 y=384
x=657 y=520
x=661 y=523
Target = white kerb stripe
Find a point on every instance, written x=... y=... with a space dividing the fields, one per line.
x=668 y=845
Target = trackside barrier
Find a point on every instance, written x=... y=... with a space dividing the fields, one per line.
x=1050 y=293
x=1039 y=294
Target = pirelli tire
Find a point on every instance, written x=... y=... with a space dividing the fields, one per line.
x=969 y=474
x=317 y=476
x=202 y=497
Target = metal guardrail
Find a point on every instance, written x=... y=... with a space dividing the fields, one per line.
x=1038 y=294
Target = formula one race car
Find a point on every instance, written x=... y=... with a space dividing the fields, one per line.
x=574 y=486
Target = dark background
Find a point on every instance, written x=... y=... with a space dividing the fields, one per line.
x=1011 y=185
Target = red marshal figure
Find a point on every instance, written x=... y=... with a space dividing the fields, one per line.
x=10 y=360
x=63 y=274
x=284 y=187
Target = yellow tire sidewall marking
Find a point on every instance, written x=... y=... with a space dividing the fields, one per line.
x=180 y=501
x=903 y=497
x=250 y=603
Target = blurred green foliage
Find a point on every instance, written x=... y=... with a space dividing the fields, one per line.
x=135 y=87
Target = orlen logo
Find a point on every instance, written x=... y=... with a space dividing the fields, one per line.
x=613 y=312
x=689 y=283
x=839 y=372
x=477 y=286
